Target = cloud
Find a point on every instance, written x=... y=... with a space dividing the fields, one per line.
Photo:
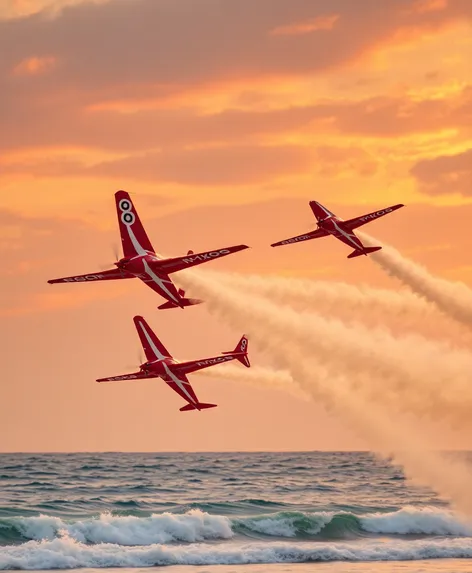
x=214 y=165
x=144 y=130
x=55 y=88
x=331 y=160
x=135 y=49
x=446 y=174
x=50 y=8
x=235 y=165
x=422 y=6
x=141 y=41
x=34 y=66
x=389 y=116
x=320 y=23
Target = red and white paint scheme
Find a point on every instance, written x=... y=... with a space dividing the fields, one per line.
x=160 y=364
x=140 y=259
x=329 y=224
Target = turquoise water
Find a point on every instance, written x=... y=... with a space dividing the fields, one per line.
x=223 y=509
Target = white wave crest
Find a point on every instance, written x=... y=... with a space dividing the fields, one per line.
x=197 y=526
x=413 y=520
x=407 y=521
x=66 y=553
x=193 y=526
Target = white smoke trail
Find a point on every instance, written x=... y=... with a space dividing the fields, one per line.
x=427 y=378
x=452 y=298
x=256 y=376
x=277 y=331
x=400 y=311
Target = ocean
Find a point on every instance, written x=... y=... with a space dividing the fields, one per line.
x=280 y=512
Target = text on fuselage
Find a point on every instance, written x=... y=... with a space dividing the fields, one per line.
x=375 y=215
x=205 y=256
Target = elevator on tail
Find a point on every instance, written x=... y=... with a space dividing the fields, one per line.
x=140 y=259
x=161 y=364
x=329 y=224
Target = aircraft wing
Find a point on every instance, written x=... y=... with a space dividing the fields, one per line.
x=113 y=274
x=179 y=263
x=123 y=377
x=299 y=238
x=359 y=221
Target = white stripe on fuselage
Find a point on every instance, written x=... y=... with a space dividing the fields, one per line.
x=159 y=355
x=159 y=281
x=180 y=383
x=142 y=252
x=350 y=237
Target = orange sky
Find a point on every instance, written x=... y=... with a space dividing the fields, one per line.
x=223 y=119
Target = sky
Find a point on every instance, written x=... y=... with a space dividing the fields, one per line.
x=223 y=118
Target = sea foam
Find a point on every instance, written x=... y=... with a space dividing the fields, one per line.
x=66 y=553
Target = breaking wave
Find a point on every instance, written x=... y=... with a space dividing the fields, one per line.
x=197 y=526
x=344 y=525
x=66 y=553
x=191 y=527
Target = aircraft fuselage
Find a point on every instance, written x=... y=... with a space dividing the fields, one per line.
x=334 y=226
x=137 y=265
x=144 y=267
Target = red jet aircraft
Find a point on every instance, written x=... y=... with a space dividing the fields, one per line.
x=160 y=364
x=329 y=224
x=140 y=260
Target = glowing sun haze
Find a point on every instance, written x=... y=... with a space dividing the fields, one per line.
x=223 y=119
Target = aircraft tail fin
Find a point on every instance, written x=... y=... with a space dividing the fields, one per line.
x=183 y=300
x=152 y=346
x=366 y=251
x=319 y=211
x=199 y=406
x=240 y=352
x=133 y=236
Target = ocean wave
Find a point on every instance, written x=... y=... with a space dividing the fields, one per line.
x=196 y=526
x=190 y=527
x=300 y=525
x=329 y=525
x=66 y=553
x=412 y=520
